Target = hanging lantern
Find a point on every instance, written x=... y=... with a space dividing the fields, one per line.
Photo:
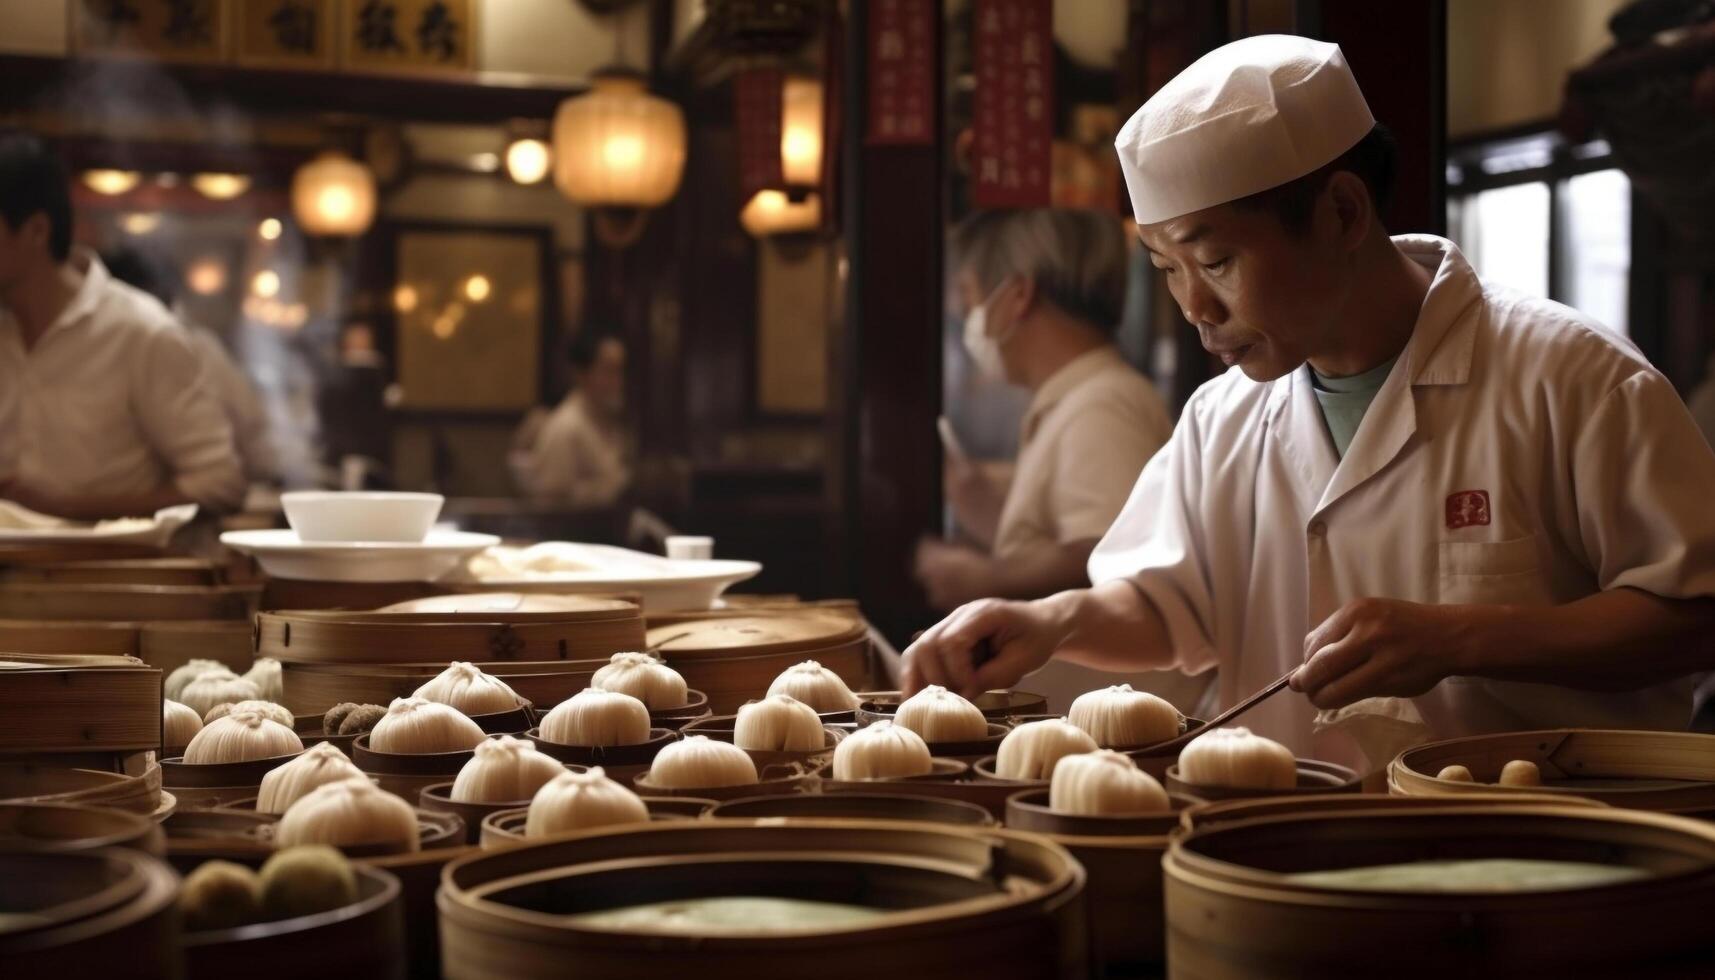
x=334 y=195
x=771 y=212
x=801 y=131
x=618 y=146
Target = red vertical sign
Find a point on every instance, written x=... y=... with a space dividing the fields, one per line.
x=902 y=71
x=1014 y=125
x=756 y=110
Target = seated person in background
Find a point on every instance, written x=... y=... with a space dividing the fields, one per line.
x=1044 y=290
x=105 y=409
x=237 y=393
x=579 y=455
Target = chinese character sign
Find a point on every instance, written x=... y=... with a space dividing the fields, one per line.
x=1014 y=125
x=415 y=34
x=901 y=71
x=176 y=30
x=286 y=33
x=757 y=112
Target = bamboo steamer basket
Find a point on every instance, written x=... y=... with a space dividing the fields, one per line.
x=438 y=798
x=72 y=703
x=949 y=915
x=1231 y=914
x=363 y=939
x=281 y=593
x=857 y=806
x=720 y=729
x=313 y=688
x=771 y=781
x=171 y=644
x=1222 y=811
x=950 y=779
x=419 y=876
x=131 y=571
x=695 y=709
x=734 y=659
x=106 y=912
x=130 y=603
x=210 y=784
x=622 y=763
x=1314 y=778
x=1122 y=856
x=603 y=628
x=70 y=636
x=238 y=832
x=505 y=828
x=405 y=774
x=1668 y=772
x=37 y=783
x=998 y=706
x=738 y=605
x=18 y=554
x=71 y=827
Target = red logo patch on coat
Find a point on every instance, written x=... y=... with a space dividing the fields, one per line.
x=1467 y=508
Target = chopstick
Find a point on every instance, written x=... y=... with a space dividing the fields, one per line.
x=1221 y=719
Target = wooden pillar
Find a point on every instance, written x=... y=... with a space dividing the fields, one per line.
x=884 y=487
x=1399 y=53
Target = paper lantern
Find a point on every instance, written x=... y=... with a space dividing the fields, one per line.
x=801 y=131
x=334 y=195
x=618 y=146
x=773 y=213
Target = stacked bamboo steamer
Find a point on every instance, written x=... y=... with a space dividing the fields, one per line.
x=1235 y=909
x=330 y=656
x=80 y=729
x=103 y=912
x=950 y=901
x=733 y=659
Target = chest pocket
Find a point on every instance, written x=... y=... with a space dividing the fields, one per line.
x=1492 y=572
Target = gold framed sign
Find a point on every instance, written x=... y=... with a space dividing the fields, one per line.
x=409 y=35
x=285 y=33
x=171 y=30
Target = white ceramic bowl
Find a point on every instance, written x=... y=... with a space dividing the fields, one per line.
x=323 y=515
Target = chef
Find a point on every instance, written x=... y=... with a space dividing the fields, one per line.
x=105 y=409
x=1408 y=484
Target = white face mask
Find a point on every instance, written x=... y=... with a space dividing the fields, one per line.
x=984 y=349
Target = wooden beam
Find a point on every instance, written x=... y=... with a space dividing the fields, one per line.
x=1399 y=53
x=885 y=373
x=80 y=86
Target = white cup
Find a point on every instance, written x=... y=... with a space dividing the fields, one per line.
x=685 y=547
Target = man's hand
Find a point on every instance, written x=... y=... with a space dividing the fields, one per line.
x=953 y=575
x=1379 y=648
x=1010 y=638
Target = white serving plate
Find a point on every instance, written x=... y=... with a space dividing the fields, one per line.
x=664 y=584
x=283 y=554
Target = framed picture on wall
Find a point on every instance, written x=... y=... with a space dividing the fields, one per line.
x=473 y=311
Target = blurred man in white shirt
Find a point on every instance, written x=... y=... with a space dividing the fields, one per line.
x=105 y=408
x=579 y=455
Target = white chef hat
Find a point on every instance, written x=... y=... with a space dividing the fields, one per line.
x=1247 y=116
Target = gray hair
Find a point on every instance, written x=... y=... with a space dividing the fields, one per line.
x=1077 y=259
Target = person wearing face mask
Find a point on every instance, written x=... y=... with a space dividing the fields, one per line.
x=1044 y=290
x=1410 y=487
x=578 y=455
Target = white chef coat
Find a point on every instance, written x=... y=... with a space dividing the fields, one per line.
x=113 y=399
x=1518 y=453
x=576 y=461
